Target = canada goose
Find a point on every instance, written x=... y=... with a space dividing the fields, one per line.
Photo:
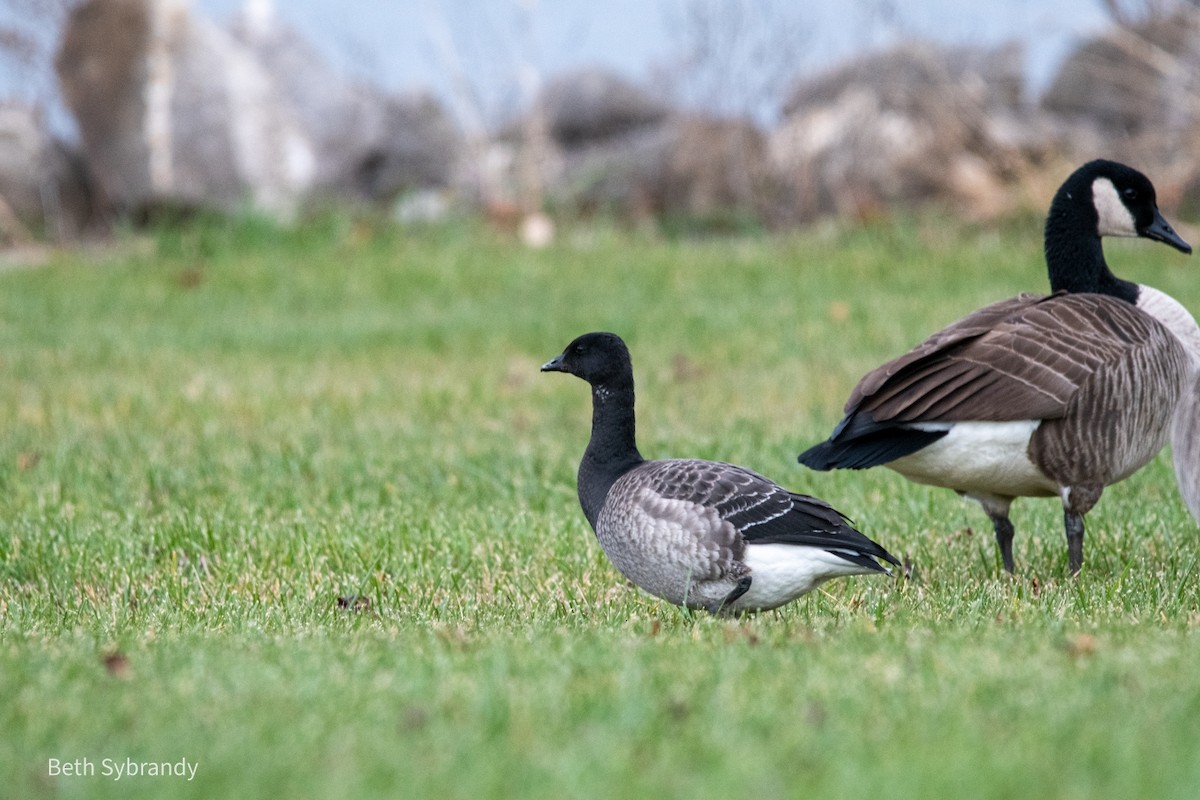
x=1036 y=396
x=1124 y=202
x=700 y=534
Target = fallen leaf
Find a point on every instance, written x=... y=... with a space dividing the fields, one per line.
x=117 y=664
x=1080 y=645
x=354 y=602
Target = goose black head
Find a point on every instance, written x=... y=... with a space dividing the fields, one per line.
x=601 y=359
x=1123 y=202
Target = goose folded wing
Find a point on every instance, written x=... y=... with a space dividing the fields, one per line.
x=1023 y=358
x=739 y=496
x=764 y=512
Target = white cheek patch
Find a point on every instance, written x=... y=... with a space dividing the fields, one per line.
x=1115 y=218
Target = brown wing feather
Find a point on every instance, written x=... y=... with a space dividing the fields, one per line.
x=969 y=327
x=1022 y=358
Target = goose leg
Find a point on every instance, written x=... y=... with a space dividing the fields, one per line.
x=1074 y=525
x=1077 y=501
x=742 y=587
x=1004 y=539
x=996 y=507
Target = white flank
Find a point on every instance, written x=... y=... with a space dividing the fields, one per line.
x=1115 y=219
x=782 y=572
x=980 y=457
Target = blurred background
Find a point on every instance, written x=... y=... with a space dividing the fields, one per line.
x=713 y=115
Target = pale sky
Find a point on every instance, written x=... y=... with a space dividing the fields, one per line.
x=412 y=44
x=394 y=40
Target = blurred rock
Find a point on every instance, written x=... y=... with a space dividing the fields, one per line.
x=596 y=143
x=174 y=112
x=717 y=167
x=687 y=166
x=1187 y=199
x=418 y=147
x=592 y=105
x=1134 y=79
x=917 y=123
x=1133 y=94
x=339 y=117
x=422 y=206
x=367 y=144
x=620 y=175
x=44 y=188
x=988 y=78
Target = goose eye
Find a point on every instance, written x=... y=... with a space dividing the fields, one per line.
x=1130 y=194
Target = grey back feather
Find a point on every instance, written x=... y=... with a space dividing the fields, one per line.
x=669 y=542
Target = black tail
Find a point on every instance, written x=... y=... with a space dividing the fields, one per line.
x=866 y=560
x=862 y=445
x=815 y=523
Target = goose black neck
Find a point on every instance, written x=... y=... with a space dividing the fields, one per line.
x=1075 y=255
x=612 y=450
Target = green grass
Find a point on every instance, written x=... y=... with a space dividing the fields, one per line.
x=299 y=508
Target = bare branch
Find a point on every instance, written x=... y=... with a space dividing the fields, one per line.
x=737 y=57
x=1131 y=13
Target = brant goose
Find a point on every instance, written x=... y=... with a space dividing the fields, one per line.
x=700 y=534
x=1037 y=396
